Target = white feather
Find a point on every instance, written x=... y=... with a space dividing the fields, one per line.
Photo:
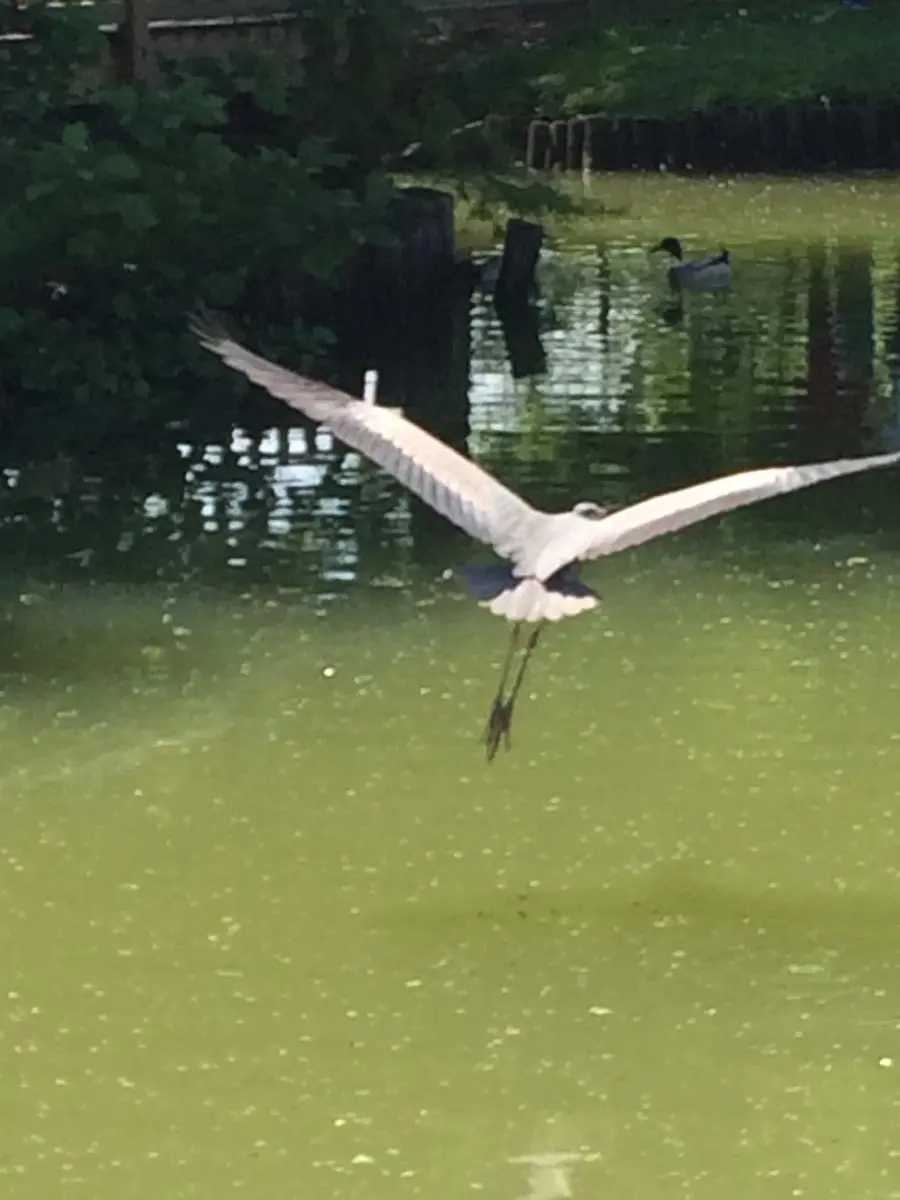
x=676 y=510
x=538 y=544
x=454 y=486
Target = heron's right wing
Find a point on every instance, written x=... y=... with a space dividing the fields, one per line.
x=453 y=485
x=672 y=511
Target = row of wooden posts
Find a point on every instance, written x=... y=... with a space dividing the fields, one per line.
x=810 y=136
x=797 y=137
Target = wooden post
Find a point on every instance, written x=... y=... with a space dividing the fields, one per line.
x=538 y=148
x=131 y=42
x=890 y=123
x=575 y=140
x=869 y=123
x=521 y=334
x=639 y=144
x=602 y=147
x=656 y=143
x=386 y=285
x=829 y=136
x=793 y=136
x=521 y=250
x=559 y=132
x=587 y=149
x=495 y=135
x=624 y=143
x=425 y=250
x=694 y=155
x=770 y=121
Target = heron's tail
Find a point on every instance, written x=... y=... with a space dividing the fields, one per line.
x=517 y=599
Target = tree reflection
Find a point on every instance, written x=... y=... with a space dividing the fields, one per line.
x=784 y=367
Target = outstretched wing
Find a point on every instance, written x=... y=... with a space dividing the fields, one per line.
x=451 y=484
x=676 y=510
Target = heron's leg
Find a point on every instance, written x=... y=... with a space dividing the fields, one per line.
x=523 y=666
x=504 y=674
x=513 y=645
x=514 y=692
x=498 y=706
x=501 y=716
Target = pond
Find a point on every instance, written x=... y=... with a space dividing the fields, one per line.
x=273 y=927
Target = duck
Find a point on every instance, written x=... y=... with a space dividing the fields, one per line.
x=709 y=274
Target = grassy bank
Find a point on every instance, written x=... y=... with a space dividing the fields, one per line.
x=643 y=207
x=665 y=58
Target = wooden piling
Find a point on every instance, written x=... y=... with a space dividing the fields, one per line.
x=537 y=150
x=522 y=337
x=559 y=132
x=771 y=141
x=575 y=140
x=793 y=134
x=638 y=159
x=587 y=148
x=600 y=138
x=424 y=249
x=521 y=251
x=130 y=43
x=805 y=136
x=870 y=135
x=623 y=142
x=388 y=285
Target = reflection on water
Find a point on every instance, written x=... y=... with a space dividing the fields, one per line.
x=269 y=922
x=549 y=1174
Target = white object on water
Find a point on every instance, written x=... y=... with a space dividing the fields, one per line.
x=370 y=387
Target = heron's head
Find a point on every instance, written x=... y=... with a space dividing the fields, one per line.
x=586 y=508
x=671 y=246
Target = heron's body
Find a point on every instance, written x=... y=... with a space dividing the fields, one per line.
x=712 y=273
x=544 y=551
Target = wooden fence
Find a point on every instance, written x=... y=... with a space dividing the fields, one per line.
x=142 y=33
x=811 y=136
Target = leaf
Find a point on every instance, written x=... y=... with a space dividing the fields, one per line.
x=85 y=244
x=36 y=191
x=122 y=100
x=222 y=288
x=125 y=306
x=11 y=321
x=76 y=136
x=136 y=211
x=271 y=94
x=119 y=167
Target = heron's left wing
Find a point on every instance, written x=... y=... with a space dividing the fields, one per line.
x=676 y=510
x=453 y=485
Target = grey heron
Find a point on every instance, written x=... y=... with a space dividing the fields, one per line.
x=712 y=273
x=544 y=550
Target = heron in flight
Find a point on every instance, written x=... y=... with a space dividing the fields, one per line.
x=540 y=580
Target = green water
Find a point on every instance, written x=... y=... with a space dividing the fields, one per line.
x=272 y=927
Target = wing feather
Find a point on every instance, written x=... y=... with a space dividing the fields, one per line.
x=676 y=510
x=453 y=485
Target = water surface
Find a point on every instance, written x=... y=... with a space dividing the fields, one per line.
x=272 y=926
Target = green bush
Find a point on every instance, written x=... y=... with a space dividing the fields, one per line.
x=118 y=217
x=122 y=208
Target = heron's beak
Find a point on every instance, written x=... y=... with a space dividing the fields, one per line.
x=658 y=246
